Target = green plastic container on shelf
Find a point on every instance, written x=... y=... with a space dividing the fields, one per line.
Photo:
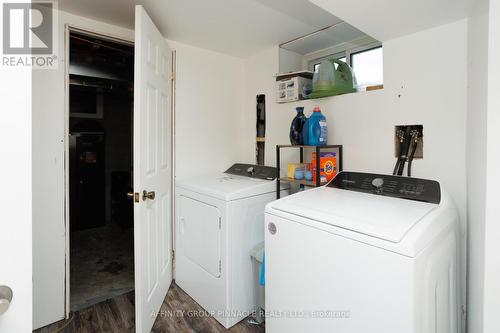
x=330 y=81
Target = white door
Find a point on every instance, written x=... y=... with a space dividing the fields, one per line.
x=152 y=167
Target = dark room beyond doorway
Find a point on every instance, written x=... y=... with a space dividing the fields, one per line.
x=100 y=169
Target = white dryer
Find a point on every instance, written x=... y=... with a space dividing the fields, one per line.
x=219 y=220
x=366 y=253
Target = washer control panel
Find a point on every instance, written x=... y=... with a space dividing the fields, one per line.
x=391 y=186
x=252 y=171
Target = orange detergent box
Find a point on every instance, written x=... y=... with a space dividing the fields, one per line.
x=327 y=166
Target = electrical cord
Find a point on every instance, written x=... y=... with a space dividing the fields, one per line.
x=404 y=151
x=401 y=137
x=410 y=158
x=402 y=165
x=408 y=143
x=412 y=154
x=396 y=167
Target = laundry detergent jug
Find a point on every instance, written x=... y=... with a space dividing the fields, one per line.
x=296 y=127
x=317 y=129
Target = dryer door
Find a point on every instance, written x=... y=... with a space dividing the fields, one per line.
x=200 y=234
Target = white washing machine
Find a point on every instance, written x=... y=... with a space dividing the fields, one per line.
x=365 y=253
x=219 y=220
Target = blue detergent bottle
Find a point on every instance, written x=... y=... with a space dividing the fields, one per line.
x=318 y=131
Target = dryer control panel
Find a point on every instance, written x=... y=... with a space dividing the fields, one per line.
x=252 y=171
x=392 y=186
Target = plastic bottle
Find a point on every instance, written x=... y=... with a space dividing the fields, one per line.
x=297 y=126
x=318 y=131
x=305 y=132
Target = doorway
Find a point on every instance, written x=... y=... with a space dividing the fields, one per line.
x=100 y=159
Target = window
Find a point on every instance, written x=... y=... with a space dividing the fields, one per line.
x=366 y=62
x=368 y=66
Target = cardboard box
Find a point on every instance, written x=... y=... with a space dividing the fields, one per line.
x=327 y=166
x=291 y=86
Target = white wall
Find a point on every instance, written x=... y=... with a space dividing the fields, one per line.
x=15 y=197
x=208 y=110
x=476 y=162
x=290 y=61
x=492 y=225
x=48 y=178
x=428 y=70
x=258 y=79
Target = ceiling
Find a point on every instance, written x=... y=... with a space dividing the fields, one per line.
x=338 y=35
x=388 y=19
x=235 y=27
x=244 y=27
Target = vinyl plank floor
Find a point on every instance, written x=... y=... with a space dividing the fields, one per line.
x=117 y=315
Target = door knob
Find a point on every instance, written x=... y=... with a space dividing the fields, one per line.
x=133 y=196
x=5 y=299
x=148 y=195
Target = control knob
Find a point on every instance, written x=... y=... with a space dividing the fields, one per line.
x=378 y=183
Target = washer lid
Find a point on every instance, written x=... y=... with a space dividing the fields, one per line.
x=387 y=218
x=228 y=187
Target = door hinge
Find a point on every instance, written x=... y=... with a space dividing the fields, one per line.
x=220 y=266
x=220 y=223
x=172 y=76
x=173 y=255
